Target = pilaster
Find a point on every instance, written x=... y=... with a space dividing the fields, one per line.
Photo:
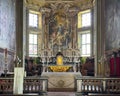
x=100 y=39
x=20 y=47
x=19 y=33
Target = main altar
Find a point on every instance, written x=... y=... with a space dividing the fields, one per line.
x=61 y=81
x=59 y=52
x=61 y=75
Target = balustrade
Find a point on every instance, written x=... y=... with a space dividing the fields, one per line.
x=31 y=85
x=97 y=85
x=6 y=85
x=83 y=85
x=113 y=85
x=35 y=84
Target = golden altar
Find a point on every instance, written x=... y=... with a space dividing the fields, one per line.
x=59 y=68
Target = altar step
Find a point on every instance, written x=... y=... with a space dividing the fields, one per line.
x=61 y=94
x=61 y=90
x=46 y=94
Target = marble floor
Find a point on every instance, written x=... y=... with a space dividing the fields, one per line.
x=45 y=94
x=61 y=94
x=56 y=94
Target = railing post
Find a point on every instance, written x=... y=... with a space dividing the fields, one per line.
x=44 y=85
x=104 y=85
x=79 y=85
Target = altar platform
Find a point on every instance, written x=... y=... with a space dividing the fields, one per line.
x=61 y=81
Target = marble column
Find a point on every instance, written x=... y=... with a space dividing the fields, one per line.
x=20 y=42
x=100 y=38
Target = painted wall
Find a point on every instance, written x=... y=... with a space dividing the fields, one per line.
x=7 y=31
x=7 y=24
x=112 y=17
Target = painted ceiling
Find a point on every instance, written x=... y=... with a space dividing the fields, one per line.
x=54 y=4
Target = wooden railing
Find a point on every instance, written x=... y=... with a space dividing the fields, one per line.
x=6 y=85
x=35 y=84
x=97 y=85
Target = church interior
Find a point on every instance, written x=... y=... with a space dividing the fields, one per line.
x=59 y=47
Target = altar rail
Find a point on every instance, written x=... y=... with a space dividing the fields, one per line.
x=6 y=85
x=97 y=85
x=35 y=84
x=31 y=85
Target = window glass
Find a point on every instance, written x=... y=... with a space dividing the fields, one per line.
x=86 y=19
x=33 y=20
x=85 y=44
x=35 y=39
x=88 y=49
x=83 y=49
x=83 y=38
x=88 y=38
x=33 y=44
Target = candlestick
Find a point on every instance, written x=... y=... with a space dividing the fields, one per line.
x=52 y=43
x=66 y=43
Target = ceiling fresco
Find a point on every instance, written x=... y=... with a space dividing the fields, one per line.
x=79 y=4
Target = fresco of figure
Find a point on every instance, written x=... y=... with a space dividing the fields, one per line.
x=60 y=29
